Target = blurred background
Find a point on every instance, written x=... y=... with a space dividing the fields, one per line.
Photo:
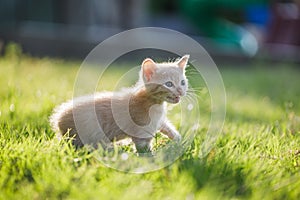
x=228 y=29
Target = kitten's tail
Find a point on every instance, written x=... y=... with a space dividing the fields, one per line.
x=57 y=115
x=54 y=119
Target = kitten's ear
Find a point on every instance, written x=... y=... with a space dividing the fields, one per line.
x=148 y=67
x=183 y=61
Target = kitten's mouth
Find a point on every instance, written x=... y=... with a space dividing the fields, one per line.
x=175 y=99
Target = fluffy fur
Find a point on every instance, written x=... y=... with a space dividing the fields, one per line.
x=137 y=113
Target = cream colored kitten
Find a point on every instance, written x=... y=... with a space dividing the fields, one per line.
x=137 y=113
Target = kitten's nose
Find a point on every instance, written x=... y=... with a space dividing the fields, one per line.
x=180 y=92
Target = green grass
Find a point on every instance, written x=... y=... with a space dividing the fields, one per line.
x=257 y=155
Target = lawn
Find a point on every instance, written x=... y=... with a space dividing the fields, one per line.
x=256 y=157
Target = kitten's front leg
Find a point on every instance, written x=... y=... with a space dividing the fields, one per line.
x=142 y=145
x=169 y=130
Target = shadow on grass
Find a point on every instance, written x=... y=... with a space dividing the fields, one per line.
x=225 y=177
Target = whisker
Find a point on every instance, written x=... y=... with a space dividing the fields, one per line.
x=194 y=90
x=197 y=88
x=192 y=72
x=191 y=96
x=192 y=93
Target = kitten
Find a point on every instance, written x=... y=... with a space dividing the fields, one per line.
x=138 y=112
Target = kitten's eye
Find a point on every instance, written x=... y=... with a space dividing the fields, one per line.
x=169 y=84
x=182 y=82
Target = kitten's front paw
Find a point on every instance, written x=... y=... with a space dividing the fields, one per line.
x=177 y=138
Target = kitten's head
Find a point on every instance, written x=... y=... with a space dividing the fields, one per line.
x=166 y=81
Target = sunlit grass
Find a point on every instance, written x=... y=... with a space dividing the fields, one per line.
x=257 y=155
